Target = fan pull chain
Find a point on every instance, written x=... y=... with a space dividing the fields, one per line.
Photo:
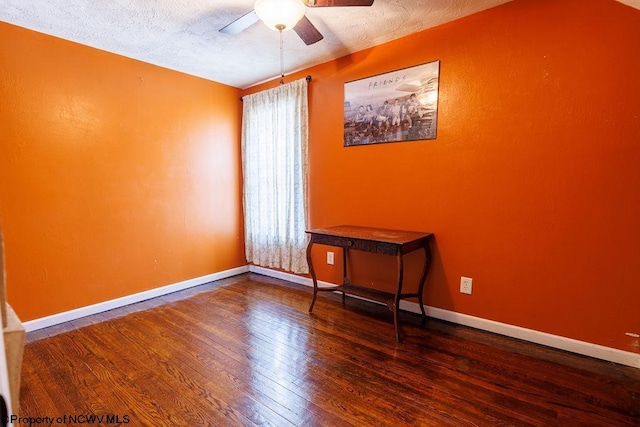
x=281 y=59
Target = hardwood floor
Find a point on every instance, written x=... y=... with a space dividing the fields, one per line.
x=245 y=351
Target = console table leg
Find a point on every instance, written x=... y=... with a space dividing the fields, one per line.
x=313 y=300
x=313 y=275
x=396 y=303
x=424 y=314
x=423 y=278
x=345 y=276
x=396 y=321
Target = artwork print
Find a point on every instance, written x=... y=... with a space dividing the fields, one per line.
x=398 y=106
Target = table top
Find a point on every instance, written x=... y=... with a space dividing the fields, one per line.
x=399 y=237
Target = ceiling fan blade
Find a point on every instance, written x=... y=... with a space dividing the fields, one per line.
x=307 y=31
x=240 y=24
x=337 y=3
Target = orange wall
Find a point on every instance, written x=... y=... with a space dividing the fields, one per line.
x=116 y=176
x=531 y=186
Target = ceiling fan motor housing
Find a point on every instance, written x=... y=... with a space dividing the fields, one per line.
x=279 y=15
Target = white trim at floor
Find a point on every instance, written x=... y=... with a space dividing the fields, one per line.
x=568 y=344
x=580 y=347
x=67 y=316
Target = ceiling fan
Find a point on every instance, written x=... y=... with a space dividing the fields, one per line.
x=283 y=15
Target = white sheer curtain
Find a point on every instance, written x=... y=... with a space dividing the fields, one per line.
x=274 y=163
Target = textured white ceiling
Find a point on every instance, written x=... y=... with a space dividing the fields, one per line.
x=632 y=3
x=183 y=34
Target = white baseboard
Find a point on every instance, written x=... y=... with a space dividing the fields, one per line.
x=67 y=316
x=568 y=344
x=550 y=340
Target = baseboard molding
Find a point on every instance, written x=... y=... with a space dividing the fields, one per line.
x=550 y=340
x=78 y=313
x=568 y=344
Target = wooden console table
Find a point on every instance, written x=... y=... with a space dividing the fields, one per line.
x=376 y=240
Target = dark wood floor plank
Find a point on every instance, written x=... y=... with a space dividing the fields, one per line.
x=143 y=394
x=503 y=399
x=167 y=362
x=346 y=363
x=85 y=399
x=391 y=377
x=245 y=351
x=37 y=400
x=258 y=343
x=276 y=368
x=223 y=385
x=373 y=389
x=563 y=386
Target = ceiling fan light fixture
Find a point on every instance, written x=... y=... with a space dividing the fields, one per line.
x=279 y=15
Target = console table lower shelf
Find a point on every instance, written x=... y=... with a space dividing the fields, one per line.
x=376 y=240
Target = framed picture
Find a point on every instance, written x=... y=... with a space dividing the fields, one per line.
x=398 y=106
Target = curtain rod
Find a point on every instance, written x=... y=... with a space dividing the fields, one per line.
x=308 y=79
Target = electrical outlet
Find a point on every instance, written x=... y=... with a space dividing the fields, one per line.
x=330 y=259
x=466 y=284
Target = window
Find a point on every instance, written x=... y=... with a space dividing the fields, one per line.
x=274 y=162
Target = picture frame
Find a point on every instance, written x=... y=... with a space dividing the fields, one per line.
x=400 y=105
